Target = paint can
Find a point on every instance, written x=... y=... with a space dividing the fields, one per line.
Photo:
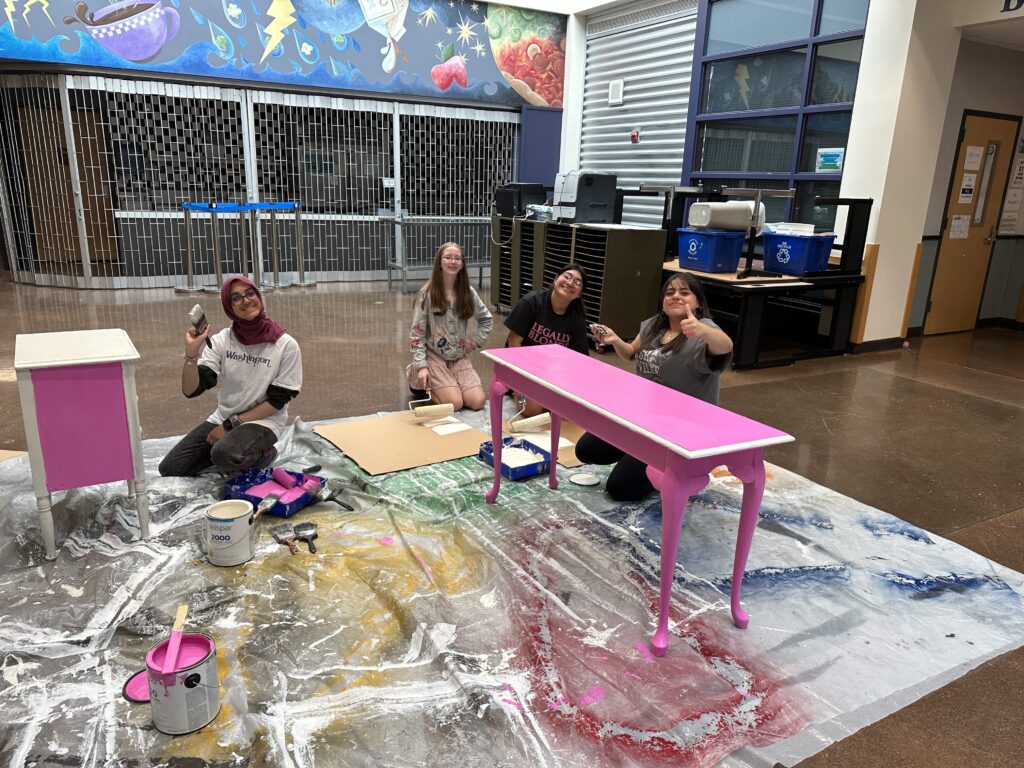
x=188 y=698
x=230 y=539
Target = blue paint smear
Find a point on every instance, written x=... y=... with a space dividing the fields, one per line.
x=817 y=519
x=773 y=577
x=926 y=587
x=892 y=526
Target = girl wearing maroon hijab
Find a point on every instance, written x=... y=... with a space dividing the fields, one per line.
x=259 y=368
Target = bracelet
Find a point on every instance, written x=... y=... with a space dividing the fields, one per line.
x=189 y=359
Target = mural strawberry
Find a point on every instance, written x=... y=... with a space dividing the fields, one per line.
x=451 y=69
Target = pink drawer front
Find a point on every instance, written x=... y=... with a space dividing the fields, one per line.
x=83 y=425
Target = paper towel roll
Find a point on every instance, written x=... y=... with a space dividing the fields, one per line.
x=731 y=215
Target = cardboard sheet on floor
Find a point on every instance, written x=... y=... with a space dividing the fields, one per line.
x=392 y=442
x=569 y=431
x=5 y=455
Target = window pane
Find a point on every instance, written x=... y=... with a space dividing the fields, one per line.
x=738 y=24
x=835 y=72
x=841 y=15
x=769 y=81
x=824 y=132
x=823 y=217
x=761 y=145
x=775 y=208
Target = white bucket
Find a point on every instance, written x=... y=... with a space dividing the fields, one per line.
x=188 y=698
x=229 y=532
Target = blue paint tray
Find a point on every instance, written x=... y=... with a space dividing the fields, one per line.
x=241 y=487
x=541 y=467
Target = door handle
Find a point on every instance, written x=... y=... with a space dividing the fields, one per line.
x=991 y=237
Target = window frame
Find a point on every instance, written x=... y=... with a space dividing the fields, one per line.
x=696 y=120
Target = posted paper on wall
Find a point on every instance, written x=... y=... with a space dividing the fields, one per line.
x=967 y=188
x=960 y=227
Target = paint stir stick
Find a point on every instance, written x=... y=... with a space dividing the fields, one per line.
x=171 y=659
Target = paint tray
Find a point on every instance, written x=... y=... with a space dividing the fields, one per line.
x=540 y=467
x=257 y=483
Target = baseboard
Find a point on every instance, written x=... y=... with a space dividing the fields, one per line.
x=1000 y=322
x=878 y=345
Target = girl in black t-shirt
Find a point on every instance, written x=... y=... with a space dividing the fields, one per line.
x=552 y=316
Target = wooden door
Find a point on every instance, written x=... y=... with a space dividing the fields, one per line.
x=978 y=182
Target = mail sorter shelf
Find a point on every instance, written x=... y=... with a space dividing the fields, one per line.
x=517 y=259
x=623 y=266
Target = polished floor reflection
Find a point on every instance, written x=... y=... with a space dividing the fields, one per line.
x=931 y=433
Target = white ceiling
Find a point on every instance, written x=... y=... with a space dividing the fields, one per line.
x=1008 y=33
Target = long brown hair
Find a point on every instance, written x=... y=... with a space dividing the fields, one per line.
x=435 y=288
x=656 y=329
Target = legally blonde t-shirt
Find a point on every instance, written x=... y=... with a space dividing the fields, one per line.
x=244 y=372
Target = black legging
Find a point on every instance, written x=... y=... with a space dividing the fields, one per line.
x=628 y=479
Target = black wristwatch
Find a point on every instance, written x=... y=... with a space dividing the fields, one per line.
x=231 y=422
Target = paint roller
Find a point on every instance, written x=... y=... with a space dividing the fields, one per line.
x=538 y=423
x=429 y=410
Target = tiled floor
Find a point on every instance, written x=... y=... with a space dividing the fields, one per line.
x=933 y=433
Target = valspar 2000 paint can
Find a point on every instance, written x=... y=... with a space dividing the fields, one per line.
x=229 y=532
x=188 y=698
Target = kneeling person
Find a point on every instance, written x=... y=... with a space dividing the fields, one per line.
x=259 y=367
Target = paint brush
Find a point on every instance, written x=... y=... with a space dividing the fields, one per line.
x=306 y=531
x=171 y=659
x=285 y=534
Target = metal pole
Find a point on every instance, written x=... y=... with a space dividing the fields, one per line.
x=76 y=183
x=273 y=249
x=190 y=286
x=300 y=253
x=217 y=270
x=254 y=238
x=243 y=226
x=257 y=258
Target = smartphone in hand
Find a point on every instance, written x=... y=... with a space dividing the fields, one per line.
x=197 y=317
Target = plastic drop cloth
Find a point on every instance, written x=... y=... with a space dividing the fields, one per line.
x=434 y=630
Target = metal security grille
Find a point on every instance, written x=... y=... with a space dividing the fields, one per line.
x=650 y=47
x=40 y=231
x=333 y=155
x=95 y=171
x=451 y=162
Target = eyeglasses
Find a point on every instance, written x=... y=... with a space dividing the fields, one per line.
x=575 y=282
x=238 y=298
x=451 y=258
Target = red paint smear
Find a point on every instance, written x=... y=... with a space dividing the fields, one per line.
x=681 y=687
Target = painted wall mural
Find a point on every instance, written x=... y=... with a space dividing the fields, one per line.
x=451 y=49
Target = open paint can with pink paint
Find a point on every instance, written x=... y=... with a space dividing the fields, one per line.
x=188 y=698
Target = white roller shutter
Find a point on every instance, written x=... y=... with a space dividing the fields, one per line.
x=649 y=46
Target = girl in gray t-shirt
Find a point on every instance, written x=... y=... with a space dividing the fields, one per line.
x=680 y=348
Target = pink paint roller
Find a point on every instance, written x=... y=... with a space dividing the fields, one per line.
x=283 y=478
x=171 y=658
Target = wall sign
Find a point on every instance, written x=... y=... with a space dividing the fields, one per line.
x=441 y=49
x=967 y=188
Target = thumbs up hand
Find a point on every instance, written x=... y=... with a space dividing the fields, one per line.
x=690 y=326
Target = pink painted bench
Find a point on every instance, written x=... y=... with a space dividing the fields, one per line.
x=680 y=438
